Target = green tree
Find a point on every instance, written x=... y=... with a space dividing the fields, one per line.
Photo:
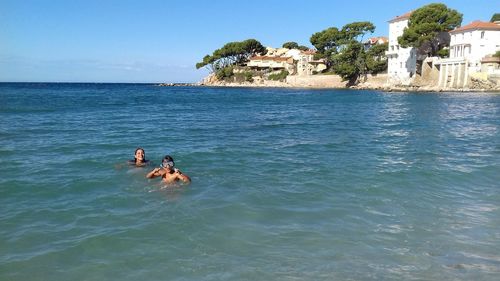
x=443 y=53
x=330 y=40
x=376 y=61
x=357 y=30
x=294 y=45
x=210 y=62
x=350 y=63
x=225 y=72
x=291 y=45
x=232 y=53
x=281 y=76
x=425 y=24
x=495 y=17
x=326 y=42
x=343 y=49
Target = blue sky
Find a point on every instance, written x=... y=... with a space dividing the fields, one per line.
x=161 y=41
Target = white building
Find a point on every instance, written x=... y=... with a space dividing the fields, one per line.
x=273 y=63
x=474 y=41
x=276 y=52
x=306 y=64
x=469 y=47
x=296 y=62
x=401 y=62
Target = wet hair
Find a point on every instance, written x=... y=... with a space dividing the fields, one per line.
x=168 y=158
x=168 y=161
x=143 y=151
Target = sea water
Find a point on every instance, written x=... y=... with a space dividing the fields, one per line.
x=287 y=184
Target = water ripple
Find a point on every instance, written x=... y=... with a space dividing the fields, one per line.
x=288 y=184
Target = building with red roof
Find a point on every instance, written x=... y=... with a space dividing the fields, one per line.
x=377 y=40
x=475 y=41
x=402 y=17
x=401 y=62
x=471 y=49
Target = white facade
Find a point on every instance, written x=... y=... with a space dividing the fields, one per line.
x=402 y=62
x=473 y=42
x=271 y=62
x=306 y=65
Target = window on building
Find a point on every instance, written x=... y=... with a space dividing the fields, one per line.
x=482 y=35
x=400 y=65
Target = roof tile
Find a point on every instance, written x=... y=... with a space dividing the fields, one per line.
x=481 y=25
x=402 y=17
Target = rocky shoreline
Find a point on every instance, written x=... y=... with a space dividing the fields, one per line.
x=414 y=88
x=178 y=84
x=477 y=87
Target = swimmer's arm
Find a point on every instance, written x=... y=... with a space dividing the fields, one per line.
x=154 y=173
x=183 y=177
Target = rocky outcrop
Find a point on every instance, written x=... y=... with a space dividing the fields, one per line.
x=259 y=83
x=316 y=81
x=177 y=84
x=210 y=80
x=486 y=85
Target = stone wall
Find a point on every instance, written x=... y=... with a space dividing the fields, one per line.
x=453 y=74
x=429 y=75
x=372 y=82
x=334 y=81
x=378 y=79
x=316 y=81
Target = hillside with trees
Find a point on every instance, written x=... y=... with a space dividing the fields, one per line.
x=345 y=52
x=222 y=60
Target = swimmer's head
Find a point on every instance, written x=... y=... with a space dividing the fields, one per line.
x=140 y=154
x=167 y=162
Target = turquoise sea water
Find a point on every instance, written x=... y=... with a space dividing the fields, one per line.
x=288 y=184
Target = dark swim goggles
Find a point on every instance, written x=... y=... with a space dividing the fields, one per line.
x=166 y=164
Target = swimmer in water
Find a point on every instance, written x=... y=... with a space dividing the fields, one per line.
x=139 y=158
x=168 y=173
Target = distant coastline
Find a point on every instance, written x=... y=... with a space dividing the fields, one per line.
x=376 y=82
x=383 y=88
x=427 y=49
x=279 y=84
x=178 y=84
